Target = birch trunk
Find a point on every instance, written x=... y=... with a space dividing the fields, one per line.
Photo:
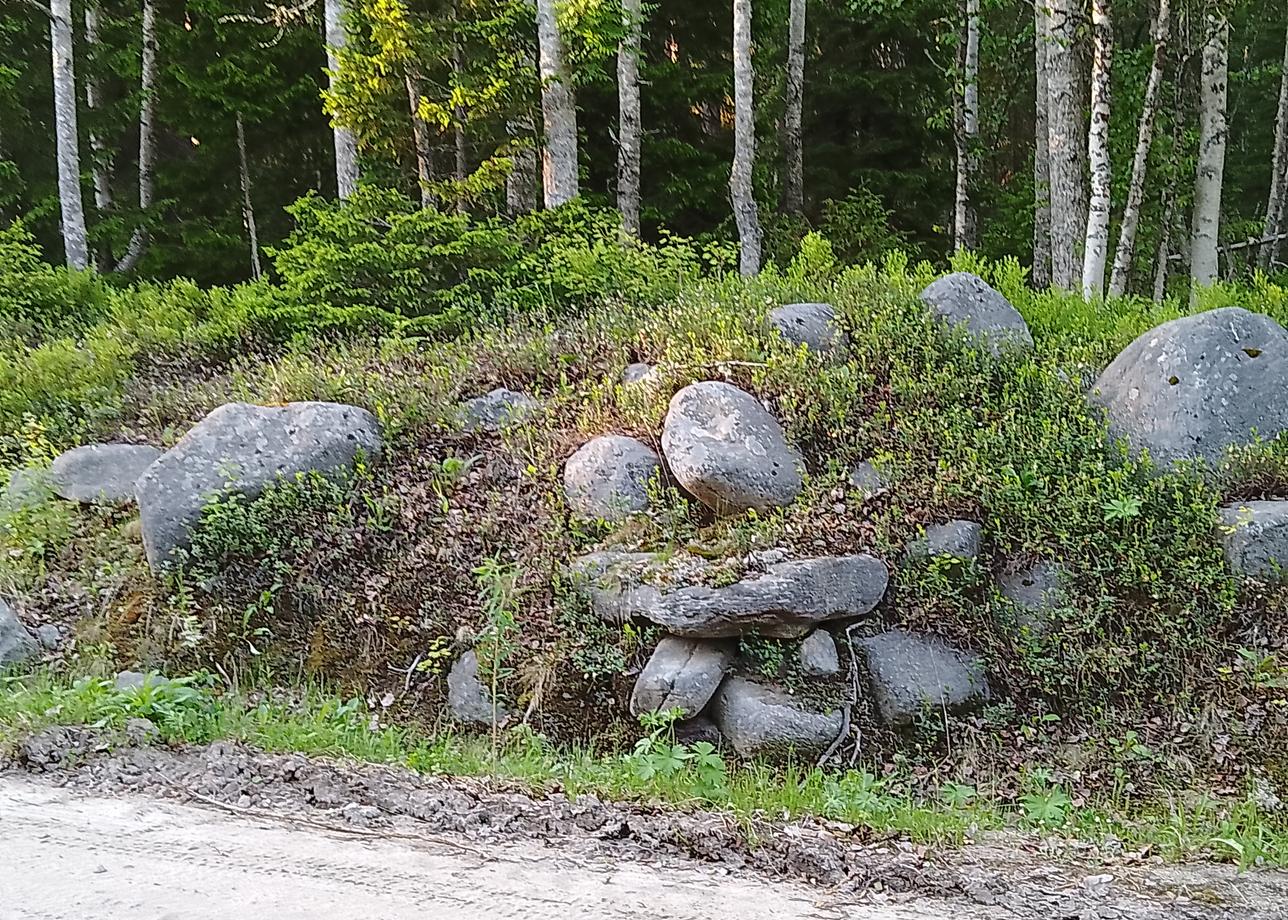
x=558 y=109
x=346 y=145
x=459 y=139
x=101 y=166
x=147 y=138
x=628 y=107
x=71 y=204
x=1162 y=258
x=967 y=129
x=1204 y=259
x=248 y=209
x=420 y=139
x=1068 y=169
x=521 y=183
x=1041 y=150
x=741 y=186
x=1096 y=245
x=793 y=146
x=1126 y=251
x=1274 y=201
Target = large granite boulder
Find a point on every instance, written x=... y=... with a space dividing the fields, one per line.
x=242 y=449
x=968 y=301
x=726 y=449
x=1255 y=538
x=468 y=700
x=496 y=410
x=757 y=720
x=681 y=674
x=810 y=324
x=952 y=539
x=786 y=601
x=1195 y=386
x=911 y=672
x=17 y=644
x=608 y=477
x=101 y=473
x=1035 y=593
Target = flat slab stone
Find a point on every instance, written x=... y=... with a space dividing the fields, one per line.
x=681 y=674
x=810 y=324
x=910 y=673
x=496 y=410
x=17 y=644
x=954 y=539
x=1255 y=538
x=756 y=720
x=963 y=300
x=608 y=477
x=101 y=473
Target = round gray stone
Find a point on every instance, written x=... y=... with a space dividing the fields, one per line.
x=101 y=473
x=1036 y=593
x=608 y=477
x=639 y=372
x=1255 y=538
x=968 y=301
x=48 y=636
x=681 y=674
x=810 y=324
x=17 y=644
x=757 y=720
x=496 y=410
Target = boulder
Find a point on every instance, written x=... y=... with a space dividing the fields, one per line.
x=49 y=636
x=681 y=674
x=810 y=324
x=496 y=410
x=468 y=699
x=1195 y=386
x=126 y=681
x=954 y=539
x=100 y=473
x=1036 y=593
x=639 y=372
x=28 y=488
x=242 y=449
x=608 y=477
x=757 y=720
x=817 y=655
x=786 y=601
x=728 y=451
x=1255 y=538
x=911 y=672
x=868 y=481
x=965 y=300
x=17 y=644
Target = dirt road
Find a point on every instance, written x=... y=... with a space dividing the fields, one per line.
x=93 y=857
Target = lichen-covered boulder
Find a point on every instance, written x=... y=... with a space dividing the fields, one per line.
x=953 y=539
x=496 y=410
x=1255 y=538
x=911 y=672
x=968 y=301
x=1195 y=386
x=608 y=477
x=100 y=473
x=786 y=601
x=810 y=324
x=757 y=720
x=817 y=654
x=242 y=449
x=681 y=674
x=468 y=700
x=17 y=644
x=726 y=449
x=1035 y=593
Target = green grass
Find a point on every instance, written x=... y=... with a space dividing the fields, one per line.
x=314 y=722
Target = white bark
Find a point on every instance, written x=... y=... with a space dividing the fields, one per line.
x=420 y=139
x=558 y=109
x=1274 y=201
x=101 y=164
x=248 y=209
x=1041 y=151
x=147 y=137
x=1204 y=259
x=741 y=175
x=346 y=145
x=1096 y=246
x=1067 y=152
x=71 y=204
x=628 y=107
x=793 y=145
x=967 y=129
x=1126 y=251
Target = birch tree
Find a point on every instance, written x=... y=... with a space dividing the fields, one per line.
x=628 y=129
x=346 y=145
x=1205 y=235
x=1275 y=200
x=66 y=136
x=1126 y=251
x=558 y=109
x=147 y=138
x=967 y=128
x=741 y=189
x=521 y=182
x=793 y=146
x=1068 y=167
x=1041 y=150
x=100 y=157
x=248 y=209
x=1096 y=245
x=420 y=138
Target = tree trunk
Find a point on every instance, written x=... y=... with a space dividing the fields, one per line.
x=1041 y=150
x=248 y=210
x=521 y=184
x=1274 y=201
x=628 y=107
x=793 y=146
x=71 y=205
x=1126 y=251
x=741 y=186
x=967 y=129
x=1211 y=160
x=558 y=109
x=100 y=158
x=1162 y=258
x=1096 y=246
x=459 y=115
x=420 y=139
x=147 y=137
x=346 y=145
x=1068 y=168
